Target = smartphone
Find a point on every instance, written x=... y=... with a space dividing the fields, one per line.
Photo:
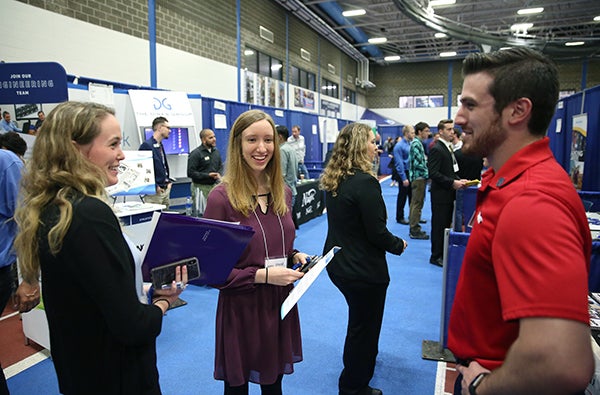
x=163 y=276
x=471 y=183
x=310 y=263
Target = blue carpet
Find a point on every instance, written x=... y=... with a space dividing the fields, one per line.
x=186 y=344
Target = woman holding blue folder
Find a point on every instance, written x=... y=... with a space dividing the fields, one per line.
x=252 y=343
x=103 y=339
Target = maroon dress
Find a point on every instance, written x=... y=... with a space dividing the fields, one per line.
x=252 y=343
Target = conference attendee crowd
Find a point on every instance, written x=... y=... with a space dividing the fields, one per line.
x=73 y=254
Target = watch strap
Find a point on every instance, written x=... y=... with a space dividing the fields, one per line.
x=476 y=382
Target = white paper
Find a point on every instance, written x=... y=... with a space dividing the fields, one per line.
x=220 y=121
x=305 y=282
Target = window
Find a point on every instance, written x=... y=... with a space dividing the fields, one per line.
x=263 y=64
x=330 y=88
x=302 y=78
x=349 y=96
x=251 y=60
x=422 y=101
x=295 y=76
x=429 y=101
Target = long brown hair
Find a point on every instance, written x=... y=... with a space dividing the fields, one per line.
x=350 y=152
x=241 y=185
x=55 y=173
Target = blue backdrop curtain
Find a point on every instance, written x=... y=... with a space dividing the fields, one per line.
x=231 y=112
x=591 y=173
x=560 y=143
x=306 y=122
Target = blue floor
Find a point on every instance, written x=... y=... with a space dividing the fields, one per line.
x=185 y=346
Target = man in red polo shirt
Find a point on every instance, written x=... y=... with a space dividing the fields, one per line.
x=519 y=323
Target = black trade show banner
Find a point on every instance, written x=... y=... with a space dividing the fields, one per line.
x=310 y=201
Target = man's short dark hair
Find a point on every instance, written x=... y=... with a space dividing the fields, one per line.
x=13 y=142
x=444 y=122
x=519 y=72
x=421 y=126
x=282 y=131
x=158 y=121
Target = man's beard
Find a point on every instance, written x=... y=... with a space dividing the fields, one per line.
x=481 y=143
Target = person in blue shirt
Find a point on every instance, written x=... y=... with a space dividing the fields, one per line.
x=10 y=175
x=161 y=131
x=7 y=125
x=400 y=152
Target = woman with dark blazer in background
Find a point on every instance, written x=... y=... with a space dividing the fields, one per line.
x=357 y=220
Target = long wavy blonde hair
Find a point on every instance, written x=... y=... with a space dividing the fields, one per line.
x=350 y=152
x=55 y=173
x=241 y=185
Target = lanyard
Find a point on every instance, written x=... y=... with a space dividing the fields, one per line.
x=265 y=236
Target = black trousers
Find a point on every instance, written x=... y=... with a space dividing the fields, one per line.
x=365 y=314
x=441 y=218
x=404 y=194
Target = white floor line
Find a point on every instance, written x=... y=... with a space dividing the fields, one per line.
x=440 y=379
x=26 y=363
x=384 y=179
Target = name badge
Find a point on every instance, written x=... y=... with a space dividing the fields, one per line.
x=276 y=262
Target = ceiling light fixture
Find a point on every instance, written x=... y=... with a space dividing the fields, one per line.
x=521 y=27
x=574 y=43
x=248 y=52
x=440 y=35
x=392 y=58
x=529 y=11
x=377 y=40
x=436 y=3
x=354 y=12
x=447 y=54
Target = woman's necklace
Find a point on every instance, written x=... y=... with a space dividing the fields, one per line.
x=263 y=201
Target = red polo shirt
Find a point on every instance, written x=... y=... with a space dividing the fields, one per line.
x=528 y=256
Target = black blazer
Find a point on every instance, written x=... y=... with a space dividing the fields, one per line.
x=102 y=337
x=357 y=222
x=441 y=173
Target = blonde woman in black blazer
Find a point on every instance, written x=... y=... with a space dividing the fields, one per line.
x=357 y=219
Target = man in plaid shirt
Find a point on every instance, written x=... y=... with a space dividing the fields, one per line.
x=418 y=175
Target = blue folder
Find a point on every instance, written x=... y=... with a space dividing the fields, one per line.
x=217 y=245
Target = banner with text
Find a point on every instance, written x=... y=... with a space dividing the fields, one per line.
x=30 y=83
x=175 y=106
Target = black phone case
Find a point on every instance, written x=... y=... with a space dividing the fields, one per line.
x=165 y=274
x=313 y=261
